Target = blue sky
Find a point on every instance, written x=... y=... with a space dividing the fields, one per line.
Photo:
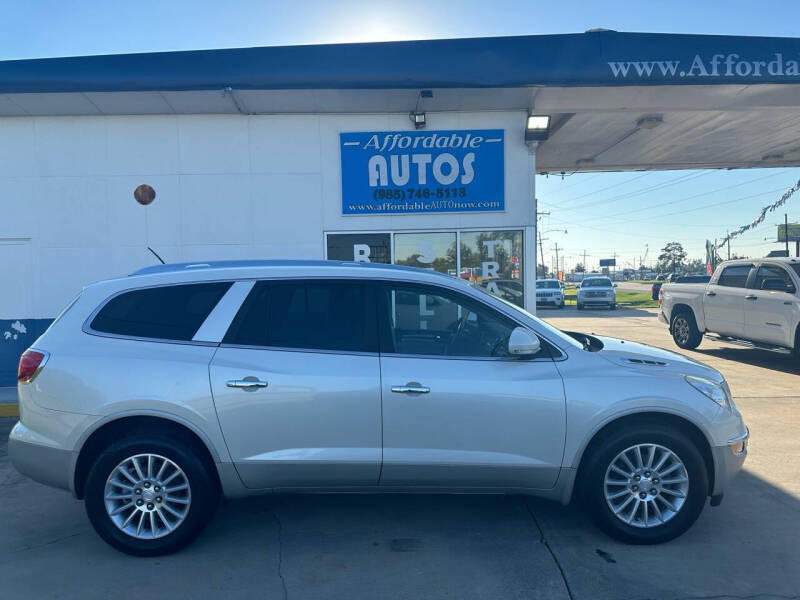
x=602 y=213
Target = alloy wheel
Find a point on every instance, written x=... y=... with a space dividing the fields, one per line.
x=646 y=485
x=147 y=496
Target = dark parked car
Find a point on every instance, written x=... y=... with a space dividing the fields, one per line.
x=673 y=278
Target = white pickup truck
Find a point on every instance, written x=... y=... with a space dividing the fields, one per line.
x=748 y=302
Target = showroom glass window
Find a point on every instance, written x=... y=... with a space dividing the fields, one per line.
x=422 y=320
x=313 y=314
x=493 y=260
x=435 y=251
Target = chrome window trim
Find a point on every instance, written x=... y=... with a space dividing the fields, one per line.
x=304 y=350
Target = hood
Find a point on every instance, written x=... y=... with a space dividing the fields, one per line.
x=656 y=360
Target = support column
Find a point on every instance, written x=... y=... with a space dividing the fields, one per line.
x=529 y=241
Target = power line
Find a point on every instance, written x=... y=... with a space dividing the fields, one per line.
x=633 y=194
x=612 y=186
x=692 y=197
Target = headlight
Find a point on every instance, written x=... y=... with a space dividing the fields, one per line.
x=717 y=392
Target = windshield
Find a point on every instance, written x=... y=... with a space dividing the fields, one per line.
x=599 y=282
x=548 y=285
x=545 y=326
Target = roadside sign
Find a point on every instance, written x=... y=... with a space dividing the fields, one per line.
x=608 y=262
x=794 y=232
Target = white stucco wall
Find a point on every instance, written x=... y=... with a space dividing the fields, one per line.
x=228 y=186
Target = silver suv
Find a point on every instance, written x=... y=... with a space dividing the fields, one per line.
x=153 y=395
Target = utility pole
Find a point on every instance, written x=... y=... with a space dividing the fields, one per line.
x=728 y=233
x=556 y=250
x=786 y=231
x=539 y=235
x=585 y=269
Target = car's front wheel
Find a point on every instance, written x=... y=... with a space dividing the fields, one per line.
x=149 y=495
x=645 y=486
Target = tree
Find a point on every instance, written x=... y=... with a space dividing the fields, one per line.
x=671 y=258
x=542 y=271
x=696 y=265
x=579 y=268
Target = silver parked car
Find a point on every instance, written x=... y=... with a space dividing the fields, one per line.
x=597 y=291
x=153 y=395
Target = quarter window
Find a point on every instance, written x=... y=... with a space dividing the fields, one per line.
x=431 y=322
x=313 y=315
x=734 y=276
x=172 y=312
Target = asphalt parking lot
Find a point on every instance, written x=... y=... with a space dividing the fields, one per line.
x=402 y=546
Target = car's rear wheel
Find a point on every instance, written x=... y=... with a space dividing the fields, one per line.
x=613 y=306
x=149 y=495
x=684 y=330
x=645 y=486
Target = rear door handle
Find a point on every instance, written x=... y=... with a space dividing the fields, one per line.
x=248 y=383
x=751 y=297
x=410 y=388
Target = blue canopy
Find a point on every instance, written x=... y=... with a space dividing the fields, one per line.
x=599 y=58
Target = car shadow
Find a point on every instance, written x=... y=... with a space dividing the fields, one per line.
x=782 y=363
x=571 y=312
x=469 y=543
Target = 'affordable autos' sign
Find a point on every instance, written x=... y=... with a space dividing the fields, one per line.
x=422 y=172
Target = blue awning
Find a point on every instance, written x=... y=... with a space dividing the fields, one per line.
x=602 y=58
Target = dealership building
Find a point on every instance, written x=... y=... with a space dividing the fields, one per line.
x=418 y=153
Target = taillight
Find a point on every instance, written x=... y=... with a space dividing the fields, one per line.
x=660 y=296
x=30 y=363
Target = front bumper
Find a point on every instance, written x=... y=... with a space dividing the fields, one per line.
x=552 y=301
x=42 y=463
x=598 y=301
x=727 y=462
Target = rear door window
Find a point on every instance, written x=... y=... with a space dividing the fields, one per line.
x=734 y=276
x=172 y=312
x=773 y=277
x=331 y=315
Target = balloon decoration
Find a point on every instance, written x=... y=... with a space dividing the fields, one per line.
x=767 y=209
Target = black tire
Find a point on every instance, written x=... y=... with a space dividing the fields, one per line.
x=203 y=486
x=613 y=306
x=683 y=328
x=560 y=306
x=580 y=306
x=593 y=488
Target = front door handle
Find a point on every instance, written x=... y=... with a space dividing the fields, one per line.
x=248 y=383
x=410 y=388
x=711 y=293
x=751 y=297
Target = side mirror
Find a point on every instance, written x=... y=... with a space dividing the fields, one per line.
x=523 y=342
x=615 y=285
